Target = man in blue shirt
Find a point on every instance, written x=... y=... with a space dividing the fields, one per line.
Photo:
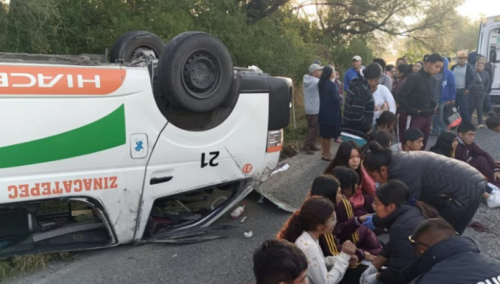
x=352 y=72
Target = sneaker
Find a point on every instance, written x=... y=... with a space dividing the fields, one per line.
x=494 y=189
x=493 y=201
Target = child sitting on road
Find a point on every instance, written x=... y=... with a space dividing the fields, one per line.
x=469 y=152
x=349 y=155
x=279 y=261
x=385 y=139
x=305 y=227
x=348 y=227
x=446 y=144
x=413 y=140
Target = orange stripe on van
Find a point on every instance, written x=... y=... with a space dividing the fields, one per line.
x=38 y=80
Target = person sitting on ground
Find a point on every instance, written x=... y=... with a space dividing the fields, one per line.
x=349 y=183
x=385 y=139
x=315 y=218
x=413 y=140
x=468 y=151
x=442 y=255
x=400 y=214
x=348 y=226
x=349 y=155
x=446 y=144
x=493 y=122
x=279 y=262
x=386 y=121
x=359 y=105
x=454 y=188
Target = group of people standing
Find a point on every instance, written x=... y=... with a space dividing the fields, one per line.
x=381 y=182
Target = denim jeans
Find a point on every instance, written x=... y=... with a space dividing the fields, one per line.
x=476 y=103
x=438 y=124
x=487 y=107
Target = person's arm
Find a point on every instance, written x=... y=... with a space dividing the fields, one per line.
x=346 y=81
x=453 y=87
x=317 y=270
x=334 y=93
x=403 y=96
x=345 y=226
x=390 y=101
x=487 y=85
x=369 y=112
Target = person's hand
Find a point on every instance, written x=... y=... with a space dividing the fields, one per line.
x=371 y=270
x=348 y=248
x=363 y=218
x=353 y=261
x=385 y=106
x=371 y=279
x=496 y=175
x=369 y=257
x=466 y=92
x=376 y=108
x=369 y=222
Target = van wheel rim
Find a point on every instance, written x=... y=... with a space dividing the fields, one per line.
x=137 y=53
x=200 y=74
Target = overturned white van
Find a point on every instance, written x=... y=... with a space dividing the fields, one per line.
x=489 y=46
x=154 y=146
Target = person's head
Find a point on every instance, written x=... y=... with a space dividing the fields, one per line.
x=479 y=67
x=493 y=122
x=467 y=132
x=431 y=232
x=315 y=70
x=383 y=137
x=390 y=70
x=348 y=179
x=372 y=74
x=425 y=57
x=462 y=57
x=348 y=155
x=376 y=162
x=327 y=75
x=434 y=64
x=279 y=262
x=338 y=74
x=327 y=186
x=413 y=139
x=403 y=71
x=400 y=61
x=394 y=193
x=317 y=62
x=446 y=142
x=417 y=66
x=386 y=121
x=356 y=62
x=381 y=62
x=405 y=59
x=316 y=215
x=481 y=58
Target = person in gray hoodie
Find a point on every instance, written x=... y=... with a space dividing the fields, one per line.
x=311 y=105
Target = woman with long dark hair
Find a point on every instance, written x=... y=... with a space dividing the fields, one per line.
x=348 y=227
x=349 y=155
x=402 y=73
x=315 y=218
x=401 y=215
x=446 y=144
x=454 y=188
x=330 y=114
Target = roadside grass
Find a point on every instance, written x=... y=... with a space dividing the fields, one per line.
x=296 y=132
x=26 y=264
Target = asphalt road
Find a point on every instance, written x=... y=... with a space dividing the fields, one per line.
x=227 y=260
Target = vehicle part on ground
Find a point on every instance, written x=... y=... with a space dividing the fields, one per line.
x=194 y=71
x=132 y=45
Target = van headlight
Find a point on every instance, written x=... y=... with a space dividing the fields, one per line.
x=274 y=141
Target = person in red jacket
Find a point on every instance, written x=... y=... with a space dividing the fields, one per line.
x=469 y=152
x=349 y=155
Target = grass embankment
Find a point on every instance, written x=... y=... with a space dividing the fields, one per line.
x=296 y=132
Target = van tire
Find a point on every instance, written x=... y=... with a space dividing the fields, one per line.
x=129 y=45
x=195 y=71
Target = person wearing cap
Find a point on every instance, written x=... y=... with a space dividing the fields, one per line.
x=353 y=71
x=416 y=98
x=464 y=80
x=311 y=105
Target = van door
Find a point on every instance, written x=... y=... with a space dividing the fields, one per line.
x=489 y=45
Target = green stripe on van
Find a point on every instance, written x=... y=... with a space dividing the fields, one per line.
x=105 y=133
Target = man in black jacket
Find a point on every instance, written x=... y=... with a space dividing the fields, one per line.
x=415 y=99
x=464 y=79
x=447 y=258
